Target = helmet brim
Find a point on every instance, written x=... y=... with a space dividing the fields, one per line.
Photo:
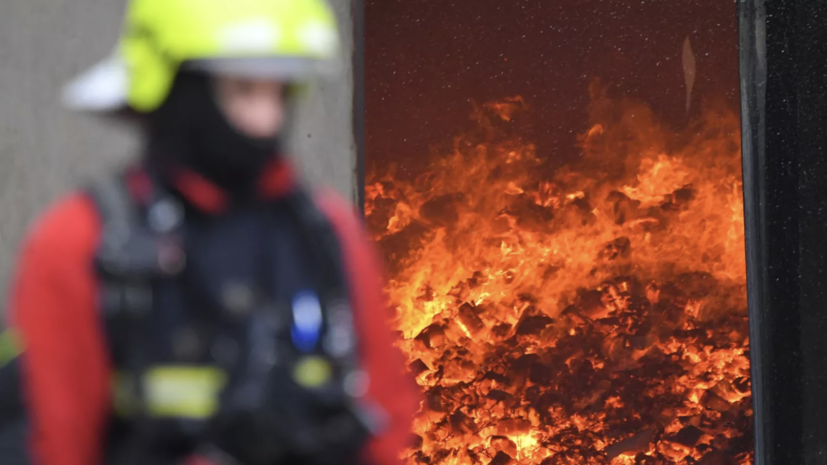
x=101 y=88
x=287 y=69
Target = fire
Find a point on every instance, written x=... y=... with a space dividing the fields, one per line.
x=590 y=314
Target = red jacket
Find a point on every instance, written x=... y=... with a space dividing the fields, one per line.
x=67 y=368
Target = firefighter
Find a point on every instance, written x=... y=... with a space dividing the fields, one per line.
x=201 y=305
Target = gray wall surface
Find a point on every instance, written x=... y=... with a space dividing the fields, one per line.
x=46 y=150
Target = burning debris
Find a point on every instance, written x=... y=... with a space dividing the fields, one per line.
x=594 y=315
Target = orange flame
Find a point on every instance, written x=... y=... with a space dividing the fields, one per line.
x=528 y=303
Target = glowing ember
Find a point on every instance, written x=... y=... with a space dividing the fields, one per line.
x=594 y=314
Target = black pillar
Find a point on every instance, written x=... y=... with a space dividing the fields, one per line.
x=811 y=119
x=784 y=122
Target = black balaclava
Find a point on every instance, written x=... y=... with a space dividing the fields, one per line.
x=190 y=130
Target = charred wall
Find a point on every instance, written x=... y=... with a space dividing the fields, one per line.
x=426 y=60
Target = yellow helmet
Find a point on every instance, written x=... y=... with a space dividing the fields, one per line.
x=289 y=40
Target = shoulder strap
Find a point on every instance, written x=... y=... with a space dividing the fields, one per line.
x=114 y=204
x=130 y=254
x=114 y=257
x=323 y=241
x=133 y=252
x=341 y=341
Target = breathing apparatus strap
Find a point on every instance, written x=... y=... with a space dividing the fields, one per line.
x=341 y=342
x=129 y=259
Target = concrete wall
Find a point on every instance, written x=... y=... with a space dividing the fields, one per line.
x=45 y=150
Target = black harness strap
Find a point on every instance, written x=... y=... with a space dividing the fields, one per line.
x=129 y=259
x=134 y=251
x=340 y=341
x=113 y=260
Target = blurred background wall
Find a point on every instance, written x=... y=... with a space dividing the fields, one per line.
x=45 y=150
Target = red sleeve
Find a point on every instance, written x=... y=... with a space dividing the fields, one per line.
x=390 y=384
x=66 y=368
